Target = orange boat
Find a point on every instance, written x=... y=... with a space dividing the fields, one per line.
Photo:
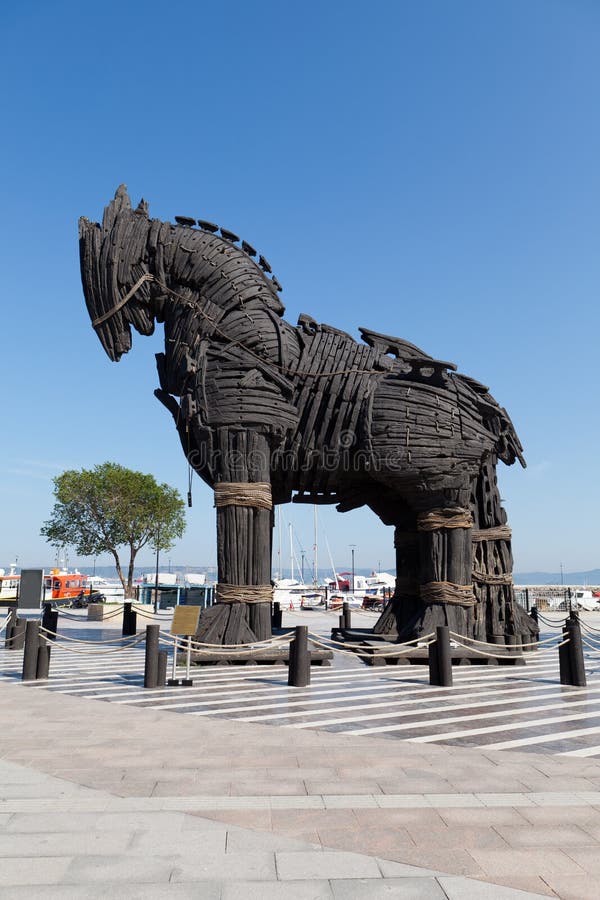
x=62 y=585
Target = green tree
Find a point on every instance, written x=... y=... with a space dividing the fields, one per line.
x=102 y=509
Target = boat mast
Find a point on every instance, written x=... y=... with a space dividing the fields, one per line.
x=291 y=552
x=279 y=539
x=315 y=548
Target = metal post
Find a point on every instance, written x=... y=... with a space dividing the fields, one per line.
x=440 y=658
x=156 y=575
x=43 y=660
x=187 y=681
x=299 y=666
x=346 y=615
x=173 y=680
x=30 y=655
x=162 y=668
x=151 y=661
x=527 y=599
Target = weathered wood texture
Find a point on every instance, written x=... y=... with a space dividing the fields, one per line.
x=318 y=415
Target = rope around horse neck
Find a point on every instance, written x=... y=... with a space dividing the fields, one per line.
x=284 y=369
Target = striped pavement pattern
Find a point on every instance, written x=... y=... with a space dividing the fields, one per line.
x=517 y=708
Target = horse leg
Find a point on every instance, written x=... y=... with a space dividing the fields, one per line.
x=433 y=567
x=492 y=565
x=242 y=613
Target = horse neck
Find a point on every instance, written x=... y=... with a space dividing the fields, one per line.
x=215 y=268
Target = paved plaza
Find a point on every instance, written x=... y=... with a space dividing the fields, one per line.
x=368 y=783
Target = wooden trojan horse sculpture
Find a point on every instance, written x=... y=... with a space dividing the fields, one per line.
x=268 y=412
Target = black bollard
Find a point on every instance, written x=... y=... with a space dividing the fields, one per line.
x=276 y=617
x=129 y=620
x=30 y=655
x=440 y=658
x=42 y=669
x=161 y=674
x=50 y=621
x=151 y=661
x=18 y=634
x=299 y=667
x=570 y=655
x=347 y=615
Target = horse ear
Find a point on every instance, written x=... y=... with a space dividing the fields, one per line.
x=119 y=204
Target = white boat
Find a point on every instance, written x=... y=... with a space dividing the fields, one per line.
x=111 y=590
x=584 y=599
x=192 y=579
x=9 y=583
x=293 y=594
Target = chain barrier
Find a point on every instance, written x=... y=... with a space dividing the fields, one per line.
x=67 y=615
x=145 y=614
x=549 y=622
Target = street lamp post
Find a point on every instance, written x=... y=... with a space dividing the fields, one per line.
x=352 y=548
x=156 y=573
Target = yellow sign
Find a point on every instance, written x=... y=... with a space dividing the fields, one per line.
x=185 y=620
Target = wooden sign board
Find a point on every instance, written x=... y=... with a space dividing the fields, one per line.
x=185 y=620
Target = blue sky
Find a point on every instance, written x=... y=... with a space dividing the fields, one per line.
x=427 y=169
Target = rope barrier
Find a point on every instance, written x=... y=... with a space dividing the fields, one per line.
x=280 y=639
x=364 y=651
x=515 y=655
x=464 y=637
x=97 y=652
x=589 y=645
x=64 y=637
x=345 y=644
x=220 y=649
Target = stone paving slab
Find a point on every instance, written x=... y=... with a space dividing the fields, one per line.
x=119 y=836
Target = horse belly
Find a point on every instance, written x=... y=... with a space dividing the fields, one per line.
x=417 y=428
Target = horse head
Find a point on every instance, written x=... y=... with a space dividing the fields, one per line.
x=115 y=261
x=131 y=264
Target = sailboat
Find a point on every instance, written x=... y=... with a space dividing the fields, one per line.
x=292 y=593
